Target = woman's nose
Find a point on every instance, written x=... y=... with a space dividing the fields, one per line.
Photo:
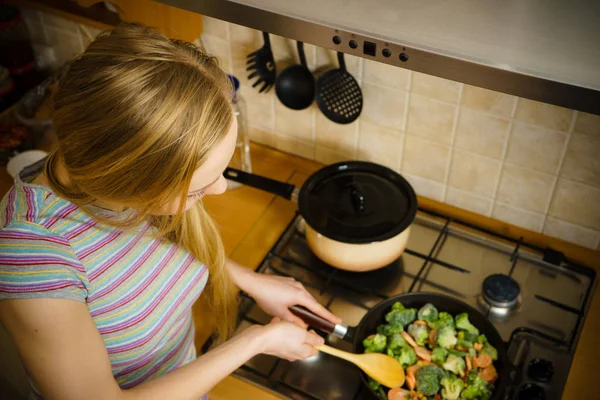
x=219 y=187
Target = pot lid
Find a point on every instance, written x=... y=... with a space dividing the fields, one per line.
x=357 y=202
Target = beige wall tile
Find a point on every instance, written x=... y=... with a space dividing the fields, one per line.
x=434 y=87
x=582 y=163
x=239 y=53
x=536 y=148
x=386 y=75
x=576 y=203
x=430 y=119
x=214 y=27
x=262 y=136
x=383 y=107
x=327 y=59
x=571 y=233
x=542 y=114
x=246 y=36
x=524 y=188
x=425 y=159
x=219 y=48
x=380 y=145
x=519 y=217
x=293 y=123
x=473 y=173
x=340 y=138
x=425 y=187
x=481 y=133
x=468 y=201
x=259 y=107
x=285 y=53
x=326 y=156
x=587 y=123
x=496 y=103
x=291 y=145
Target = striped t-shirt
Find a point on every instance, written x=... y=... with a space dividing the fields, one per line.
x=138 y=289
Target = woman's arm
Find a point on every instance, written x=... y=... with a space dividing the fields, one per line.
x=65 y=354
x=275 y=294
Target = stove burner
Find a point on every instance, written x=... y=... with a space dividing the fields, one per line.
x=501 y=291
x=531 y=391
x=540 y=370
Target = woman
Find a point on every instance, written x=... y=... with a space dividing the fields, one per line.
x=105 y=245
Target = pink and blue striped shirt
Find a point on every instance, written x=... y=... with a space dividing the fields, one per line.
x=138 y=289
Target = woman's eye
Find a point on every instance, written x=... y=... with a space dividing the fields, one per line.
x=196 y=195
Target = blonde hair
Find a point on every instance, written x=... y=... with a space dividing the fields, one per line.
x=135 y=115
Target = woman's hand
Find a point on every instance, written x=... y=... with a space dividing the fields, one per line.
x=286 y=340
x=275 y=294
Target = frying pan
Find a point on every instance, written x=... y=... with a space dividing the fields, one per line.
x=358 y=214
x=376 y=316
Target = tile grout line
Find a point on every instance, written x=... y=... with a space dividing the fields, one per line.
x=559 y=168
x=405 y=120
x=504 y=152
x=452 y=139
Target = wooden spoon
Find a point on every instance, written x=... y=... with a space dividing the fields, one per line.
x=383 y=368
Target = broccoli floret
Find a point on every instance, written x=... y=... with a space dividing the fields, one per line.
x=428 y=379
x=446 y=337
x=438 y=355
x=428 y=313
x=397 y=306
x=407 y=357
x=401 y=318
x=490 y=350
x=419 y=333
x=396 y=342
x=444 y=319
x=462 y=322
x=451 y=388
x=389 y=330
x=375 y=343
x=464 y=343
x=470 y=337
x=373 y=384
x=476 y=388
x=455 y=364
x=481 y=339
x=472 y=352
x=458 y=353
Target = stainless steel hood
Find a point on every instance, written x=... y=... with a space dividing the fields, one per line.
x=545 y=50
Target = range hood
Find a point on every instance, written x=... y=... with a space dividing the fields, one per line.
x=545 y=50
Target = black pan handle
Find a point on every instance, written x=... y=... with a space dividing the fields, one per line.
x=312 y=319
x=269 y=185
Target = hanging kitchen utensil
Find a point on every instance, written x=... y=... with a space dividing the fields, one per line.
x=262 y=63
x=358 y=214
x=338 y=95
x=376 y=316
x=295 y=86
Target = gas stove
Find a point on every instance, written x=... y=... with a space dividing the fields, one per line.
x=536 y=299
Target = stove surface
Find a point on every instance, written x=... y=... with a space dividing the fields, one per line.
x=536 y=300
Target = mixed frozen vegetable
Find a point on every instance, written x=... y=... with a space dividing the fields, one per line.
x=445 y=357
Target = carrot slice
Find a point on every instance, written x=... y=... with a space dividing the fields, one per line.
x=420 y=322
x=423 y=353
x=409 y=339
x=488 y=374
x=398 y=394
x=469 y=366
x=411 y=381
x=482 y=361
x=432 y=337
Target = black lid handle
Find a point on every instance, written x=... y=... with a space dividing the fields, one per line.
x=358 y=199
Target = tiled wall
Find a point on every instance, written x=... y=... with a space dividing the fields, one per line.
x=527 y=163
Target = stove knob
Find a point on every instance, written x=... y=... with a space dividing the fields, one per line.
x=531 y=391
x=540 y=370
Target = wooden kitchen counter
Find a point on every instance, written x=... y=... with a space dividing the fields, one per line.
x=251 y=221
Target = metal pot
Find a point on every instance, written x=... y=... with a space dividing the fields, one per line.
x=376 y=316
x=358 y=214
